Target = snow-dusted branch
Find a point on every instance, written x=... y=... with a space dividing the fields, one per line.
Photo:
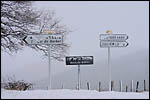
x=18 y=19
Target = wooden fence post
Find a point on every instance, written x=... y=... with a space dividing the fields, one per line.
x=99 y=89
x=137 y=86
x=88 y=85
x=62 y=86
x=126 y=88
x=144 y=85
x=77 y=87
x=112 y=85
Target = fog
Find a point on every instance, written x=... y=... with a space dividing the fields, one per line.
x=88 y=20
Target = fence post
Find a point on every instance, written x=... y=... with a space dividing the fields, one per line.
x=77 y=87
x=144 y=85
x=112 y=85
x=126 y=88
x=131 y=85
x=62 y=86
x=120 y=85
x=99 y=89
x=137 y=86
x=88 y=85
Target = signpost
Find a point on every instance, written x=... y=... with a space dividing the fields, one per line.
x=112 y=40
x=106 y=44
x=79 y=60
x=113 y=37
x=44 y=39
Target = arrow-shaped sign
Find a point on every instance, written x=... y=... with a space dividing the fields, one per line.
x=106 y=44
x=113 y=37
x=43 y=39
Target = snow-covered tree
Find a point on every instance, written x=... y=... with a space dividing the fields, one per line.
x=18 y=19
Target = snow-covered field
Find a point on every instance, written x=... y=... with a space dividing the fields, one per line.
x=71 y=94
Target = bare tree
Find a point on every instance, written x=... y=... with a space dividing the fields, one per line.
x=18 y=19
x=50 y=22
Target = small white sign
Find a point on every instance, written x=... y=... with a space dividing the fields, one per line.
x=113 y=37
x=106 y=44
x=43 y=39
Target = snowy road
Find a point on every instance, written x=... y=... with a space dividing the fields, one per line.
x=71 y=94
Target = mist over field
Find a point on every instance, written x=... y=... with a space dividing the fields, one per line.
x=87 y=20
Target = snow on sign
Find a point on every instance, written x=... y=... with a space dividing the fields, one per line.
x=43 y=39
x=79 y=60
x=113 y=37
x=106 y=44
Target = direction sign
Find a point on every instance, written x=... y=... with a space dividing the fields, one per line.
x=113 y=37
x=79 y=60
x=43 y=39
x=106 y=44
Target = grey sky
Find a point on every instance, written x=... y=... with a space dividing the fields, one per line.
x=88 y=20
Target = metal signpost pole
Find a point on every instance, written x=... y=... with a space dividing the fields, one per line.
x=78 y=77
x=45 y=39
x=112 y=40
x=109 y=65
x=49 y=68
x=109 y=69
x=79 y=60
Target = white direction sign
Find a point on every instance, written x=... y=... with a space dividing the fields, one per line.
x=43 y=39
x=106 y=44
x=113 y=37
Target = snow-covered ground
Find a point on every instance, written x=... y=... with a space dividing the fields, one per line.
x=71 y=94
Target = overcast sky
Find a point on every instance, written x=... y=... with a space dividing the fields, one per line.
x=87 y=19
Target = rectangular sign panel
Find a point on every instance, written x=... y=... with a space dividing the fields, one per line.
x=79 y=60
x=106 y=44
x=43 y=39
x=113 y=37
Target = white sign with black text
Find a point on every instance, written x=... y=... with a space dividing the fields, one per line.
x=106 y=44
x=43 y=39
x=113 y=37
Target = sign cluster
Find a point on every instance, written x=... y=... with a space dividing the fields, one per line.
x=79 y=60
x=113 y=40
x=106 y=41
